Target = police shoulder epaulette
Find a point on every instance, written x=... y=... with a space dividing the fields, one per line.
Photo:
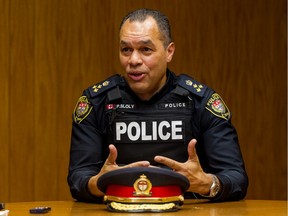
x=105 y=85
x=191 y=85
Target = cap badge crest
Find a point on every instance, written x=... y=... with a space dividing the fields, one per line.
x=142 y=186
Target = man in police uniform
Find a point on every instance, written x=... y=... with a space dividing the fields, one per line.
x=151 y=117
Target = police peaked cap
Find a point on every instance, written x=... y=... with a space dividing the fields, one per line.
x=143 y=189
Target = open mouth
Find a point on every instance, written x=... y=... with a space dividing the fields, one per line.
x=136 y=76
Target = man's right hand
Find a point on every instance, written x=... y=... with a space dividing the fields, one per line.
x=109 y=165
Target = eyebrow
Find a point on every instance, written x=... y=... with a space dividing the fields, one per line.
x=145 y=42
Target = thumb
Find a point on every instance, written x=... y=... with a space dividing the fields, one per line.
x=192 y=150
x=111 y=159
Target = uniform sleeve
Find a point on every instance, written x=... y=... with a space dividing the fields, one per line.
x=86 y=151
x=219 y=150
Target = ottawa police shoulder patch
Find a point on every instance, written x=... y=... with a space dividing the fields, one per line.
x=82 y=109
x=216 y=106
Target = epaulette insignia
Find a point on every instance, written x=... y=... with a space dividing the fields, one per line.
x=103 y=86
x=192 y=85
x=217 y=107
x=82 y=109
x=96 y=88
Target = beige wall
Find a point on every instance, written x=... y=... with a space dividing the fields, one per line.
x=50 y=50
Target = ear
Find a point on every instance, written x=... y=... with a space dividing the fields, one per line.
x=170 y=51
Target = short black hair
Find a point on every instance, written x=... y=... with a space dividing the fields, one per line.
x=162 y=21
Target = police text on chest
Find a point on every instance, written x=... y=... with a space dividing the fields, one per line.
x=149 y=130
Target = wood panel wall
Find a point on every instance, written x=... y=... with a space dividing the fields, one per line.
x=50 y=50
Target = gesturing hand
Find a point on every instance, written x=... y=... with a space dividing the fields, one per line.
x=199 y=180
x=109 y=165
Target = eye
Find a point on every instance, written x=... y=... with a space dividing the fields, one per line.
x=126 y=50
x=147 y=50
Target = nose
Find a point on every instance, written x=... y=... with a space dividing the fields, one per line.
x=135 y=58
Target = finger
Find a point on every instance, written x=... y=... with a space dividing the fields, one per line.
x=111 y=159
x=174 y=165
x=138 y=164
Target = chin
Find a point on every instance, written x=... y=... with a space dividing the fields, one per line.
x=137 y=89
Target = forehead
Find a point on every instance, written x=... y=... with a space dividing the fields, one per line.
x=147 y=29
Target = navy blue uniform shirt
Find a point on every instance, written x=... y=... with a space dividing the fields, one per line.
x=110 y=113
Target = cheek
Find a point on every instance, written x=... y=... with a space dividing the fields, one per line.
x=156 y=64
x=123 y=61
x=152 y=62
